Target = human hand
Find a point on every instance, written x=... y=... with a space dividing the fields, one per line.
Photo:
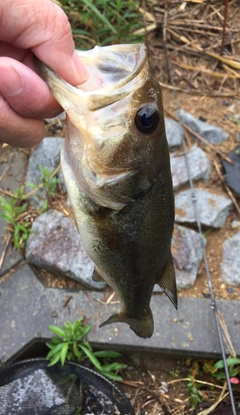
x=29 y=27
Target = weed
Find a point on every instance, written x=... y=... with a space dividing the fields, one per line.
x=48 y=182
x=196 y=396
x=13 y=215
x=233 y=364
x=14 y=209
x=71 y=345
x=103 y=22
x=176 y=372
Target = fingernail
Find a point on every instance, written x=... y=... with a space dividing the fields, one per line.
x=11 y=83
x=81 y=69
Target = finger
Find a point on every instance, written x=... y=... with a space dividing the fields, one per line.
x=19 y=131
x=43 y=27
x=25 y=92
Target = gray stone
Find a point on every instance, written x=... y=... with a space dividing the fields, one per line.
x=211 y=133
x=200 y=167
x=13 y=163
x=56 y=246
x=174 y=133
x=213 y=209
x=12 y=258
x=231 y=260
x=46 y=154
x=27 y=308
x=187 y=254
x=235 y=224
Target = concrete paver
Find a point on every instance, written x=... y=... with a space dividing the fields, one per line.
x=27 y=308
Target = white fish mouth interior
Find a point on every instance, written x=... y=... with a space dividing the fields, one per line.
x=112 y=66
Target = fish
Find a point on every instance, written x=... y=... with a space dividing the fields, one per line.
x=116 y=166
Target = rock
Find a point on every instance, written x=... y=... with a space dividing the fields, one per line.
x=211 y=133
x=187 y=254
x=231 y=260
x=232 y=171
x=237 y=137
x=46 y=154
x=174 y=133
x=199 y=164
x=213 y=209
x=235 y=224
x=56 y=246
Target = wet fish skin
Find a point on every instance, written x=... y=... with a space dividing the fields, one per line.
x=119 y=184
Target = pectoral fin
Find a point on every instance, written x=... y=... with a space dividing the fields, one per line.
x=96 y=276
x=168 y=282
x=142 y=327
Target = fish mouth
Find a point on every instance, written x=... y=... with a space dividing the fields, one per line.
x=115 y=71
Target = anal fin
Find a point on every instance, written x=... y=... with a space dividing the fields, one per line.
x=168 y=282
x=96 y=275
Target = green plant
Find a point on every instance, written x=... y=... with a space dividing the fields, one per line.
x=196 y=395
x=176 y=372
x=71 y=345
x=14 y=210
x=233 y=364
x=48 y=182
x=103 y=22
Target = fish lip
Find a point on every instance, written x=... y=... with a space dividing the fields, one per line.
x=99 y=98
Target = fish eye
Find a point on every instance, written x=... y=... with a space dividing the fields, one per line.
x=147 y=120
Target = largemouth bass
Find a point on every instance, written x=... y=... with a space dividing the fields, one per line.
x=116 y=167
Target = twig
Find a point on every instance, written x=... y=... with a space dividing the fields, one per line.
x=199 y=137
x=66 y=301
x=5 y=250
x=7 y=193
x=224 y=26
x=230 y=194
x=196 y=380
x=196 y=92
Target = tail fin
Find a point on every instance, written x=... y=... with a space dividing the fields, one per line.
x=142 y=327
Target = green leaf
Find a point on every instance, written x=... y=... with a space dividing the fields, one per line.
x=230 y=361
x=86 y=329
x=55 y=349
x=91 y=357
x=57 y=330
x=99 y=15
x=64 y=353
x=112 y=376
x=107 y=353
x=55 y=359
x=113 y=367
x=76 y=351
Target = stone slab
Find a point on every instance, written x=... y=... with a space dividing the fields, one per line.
x=12 y=257
x=27 y=308
x=199 y=165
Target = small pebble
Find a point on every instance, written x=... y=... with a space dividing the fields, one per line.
x=225 y=103
x=201 y=118
x=230 y=290
x=235 y=224
x=237 y=137
x=206 y=295
x=227 y=116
